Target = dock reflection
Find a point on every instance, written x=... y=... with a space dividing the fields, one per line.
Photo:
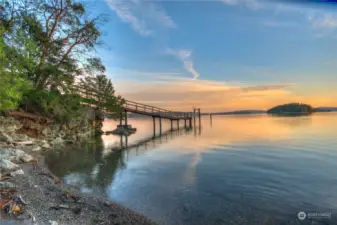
x=93 y=167
x=154 y=140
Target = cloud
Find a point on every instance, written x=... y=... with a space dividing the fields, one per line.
x=251 y=4
x=186 y=57
x=328 y=21
x=145 y=17
x=323 y=24
x=321 y=20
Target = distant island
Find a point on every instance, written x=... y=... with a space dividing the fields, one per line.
x=239 y=112
x=285 y=109
x=291 y=109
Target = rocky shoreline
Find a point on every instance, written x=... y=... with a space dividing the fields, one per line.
x=31 y=194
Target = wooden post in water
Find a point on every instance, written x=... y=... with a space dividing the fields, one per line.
x=160 y=125
x=199 y=121
x=178 y=124
x=185 y=123
x=126 y=141
x=126 y=118
x=171 y=124
x=210 y=118
x=199 y=114
x=194 y=116
x=154 y=126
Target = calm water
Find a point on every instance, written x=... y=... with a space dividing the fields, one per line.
x=249 y=169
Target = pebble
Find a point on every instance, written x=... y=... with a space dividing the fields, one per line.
x=52 y=222
x=64 y=206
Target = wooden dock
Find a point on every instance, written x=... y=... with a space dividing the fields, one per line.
x=156 y=112
x=153 y=111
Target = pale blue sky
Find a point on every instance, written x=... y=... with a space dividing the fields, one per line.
x=220 y=45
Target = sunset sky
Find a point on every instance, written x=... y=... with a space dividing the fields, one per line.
x=220 y=55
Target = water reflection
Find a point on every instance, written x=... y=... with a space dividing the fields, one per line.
x=92 y=166
x=293 y=121
x=240 y=169
x=85 y=166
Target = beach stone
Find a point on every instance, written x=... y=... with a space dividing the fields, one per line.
x=5 y=137
x=5 y=164
x=57 y=141
x=6 y=153
x=6 y=184
x=17 y=172
x=46 y=131
x=26 y=158
x=20 y=155
x=45 y=144
x=36 y=148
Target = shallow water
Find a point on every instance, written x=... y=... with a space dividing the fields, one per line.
x=242 y=169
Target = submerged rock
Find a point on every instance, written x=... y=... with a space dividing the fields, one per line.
x=123 y=130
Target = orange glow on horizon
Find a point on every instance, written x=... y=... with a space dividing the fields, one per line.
x=214 y=96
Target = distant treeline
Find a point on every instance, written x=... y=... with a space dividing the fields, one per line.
x=291 y=109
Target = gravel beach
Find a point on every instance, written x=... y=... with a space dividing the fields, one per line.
x=49 y=201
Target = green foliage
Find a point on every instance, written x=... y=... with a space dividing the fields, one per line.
x=57 y=36
x=61 y=108
x=10 y=91
x=44 y=46
x=12 y=84
x=100 y=89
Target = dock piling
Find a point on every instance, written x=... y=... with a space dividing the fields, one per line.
x=154 y=126
x=126 y=118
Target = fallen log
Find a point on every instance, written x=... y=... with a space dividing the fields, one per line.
x=29 y=116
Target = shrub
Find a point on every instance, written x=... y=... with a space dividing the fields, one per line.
x=51 y=104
